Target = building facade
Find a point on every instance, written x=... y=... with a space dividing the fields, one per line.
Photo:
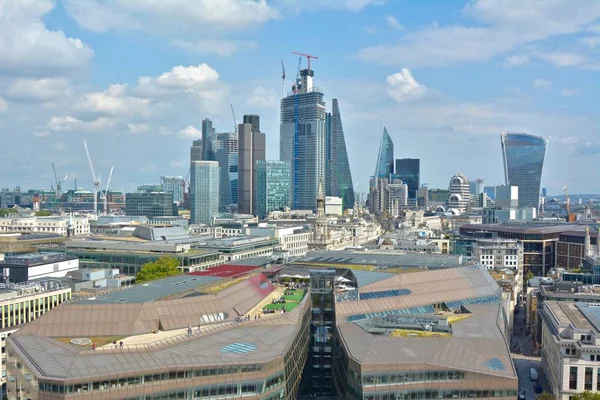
x=523 y=157
x=338 y=175
x=226 y=154
x=460 y=195
x=385 y=158
x=302 y=140
x=175 y=185
x=80 y=225
x=196 y=150
x=251 y=150
x=409 y=171
x=208 y=141
x=150 y=204
x=204 y=191
x=272 y=186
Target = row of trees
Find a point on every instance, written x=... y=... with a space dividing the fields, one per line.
x=164 y=267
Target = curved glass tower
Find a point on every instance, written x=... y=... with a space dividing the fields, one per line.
x=523 y=157
x=385 y=159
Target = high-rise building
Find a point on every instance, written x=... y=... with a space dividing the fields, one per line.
x=507 y=196
x=523 y=157
x=196 y=150
x=476 y=186
x=490 y=191
x=204 y=191
x=208 y=140
x=253 y=120
x=302 y=140
x=385 y=158
x=175 y=185
x=460 y=196
x=423 y=197
x=338 y=175
x=251 y=150
x=272 y=186
x=150 y=204
x=227 y=156
x=409 y=171
x=544 y=192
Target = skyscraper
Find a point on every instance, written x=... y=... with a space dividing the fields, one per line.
x=272 y=186
x=175 y=185
x=523 y=157
x=302 y=140
x=460 y=196
x=409 y=171
x=385 y=158
x=208 y=140
x=339 y=178
x=226 y=154
x=204 y=191
x=251 y=150
x=196 y=150
x=253 y=120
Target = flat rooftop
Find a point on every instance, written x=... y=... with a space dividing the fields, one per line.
x=525 y=228
x=381 y=260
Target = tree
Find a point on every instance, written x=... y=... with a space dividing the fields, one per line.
x=587 y=396
x=528 y=276
x=164 y=267
x=43 y=213
x=4 y=212
x=545 y=396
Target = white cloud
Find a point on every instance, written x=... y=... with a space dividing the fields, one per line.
x=515 y=61
x=503 y=26
x=69 y=124
x=540 y=83
x=189 y=132
x=343 y=5
x=42 y=90
x=403 y=86
x=569 y=92
x=3 y=105
x=590 y=41
x=564 y=59
x=393 y=22
x=262 y=97
x=220 y=47
x=174 y=16
x=138 y=128
x=41 y=134
x=28 y=48
x=112 y=102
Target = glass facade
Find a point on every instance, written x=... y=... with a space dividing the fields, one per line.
x=272 y=186
x=227 y=156
x=339 y=178
x=149 y=204
x=385 y=159
x=208 y=141
x=523 y=157
x=204 y=191
x=409 y=171
x=173 y=184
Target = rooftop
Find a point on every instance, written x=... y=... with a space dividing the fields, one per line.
x=525 y=228
x=32 y=259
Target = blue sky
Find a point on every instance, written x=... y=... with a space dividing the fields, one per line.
x=134 y=78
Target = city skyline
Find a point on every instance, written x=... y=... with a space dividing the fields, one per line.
x=137 y=92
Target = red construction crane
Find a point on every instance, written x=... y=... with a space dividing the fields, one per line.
x=308 y=57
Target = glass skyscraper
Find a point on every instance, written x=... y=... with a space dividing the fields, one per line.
x=208 y=140
x=226 y=155
x=302 y=140
x=339 y=177
x=272 y=186
x=409 y=171
x=204 y=191
x=523 y=157
x=385 y=159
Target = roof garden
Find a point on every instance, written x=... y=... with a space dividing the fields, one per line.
x=414 y=325
x=288 y=301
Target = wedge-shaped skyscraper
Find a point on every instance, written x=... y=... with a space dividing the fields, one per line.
x=385 y=159
x=339 y=177
x=523 y=156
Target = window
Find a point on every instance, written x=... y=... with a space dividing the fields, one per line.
x=573 y=378
x=588 y=378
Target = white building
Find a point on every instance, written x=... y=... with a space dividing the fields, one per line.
x=460 y=195
x=571 y=347
x=293 y=239
x=26 y=267
x=396 y=197
x=54 y=224
x=333 y=206
x=507 y=196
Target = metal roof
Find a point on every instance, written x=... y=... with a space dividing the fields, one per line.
x=154 y=290
x=382 y=260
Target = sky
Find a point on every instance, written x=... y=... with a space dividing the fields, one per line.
x=134 y=78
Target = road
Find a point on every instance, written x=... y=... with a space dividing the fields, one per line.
x=525 y=358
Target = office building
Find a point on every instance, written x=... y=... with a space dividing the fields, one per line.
x=208 y=141
x=204 y=191
x=252 y=145
x=196 y=150
x=385 y=157
x=339 y=178
x=302 y=140
x=523 y=157
x=272 y=187
x=476 y=186
x=27 y=267
x=507 y=196
x=150 y=204
x=396 y=197
x=149 y=188
x=226 y=155
x=175 y=185
x=544 y=192
x=11 y=198
x=423 y=197
x=490 y=191
x=460 y=195
x=409 y=171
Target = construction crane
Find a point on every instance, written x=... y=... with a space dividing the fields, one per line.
x=570 y=217
x=308 y=57
x=282 y=79
x=96 y=179
x=104 y=195
x=58 y=190
x=235 y=124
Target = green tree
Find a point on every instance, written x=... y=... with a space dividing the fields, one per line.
x=43 y=213
x=545 y=396
x=587 y=396
x=528 y=276
x=4 y=212
x=164 y=267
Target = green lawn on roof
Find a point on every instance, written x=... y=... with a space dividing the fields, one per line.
x=291 y=301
